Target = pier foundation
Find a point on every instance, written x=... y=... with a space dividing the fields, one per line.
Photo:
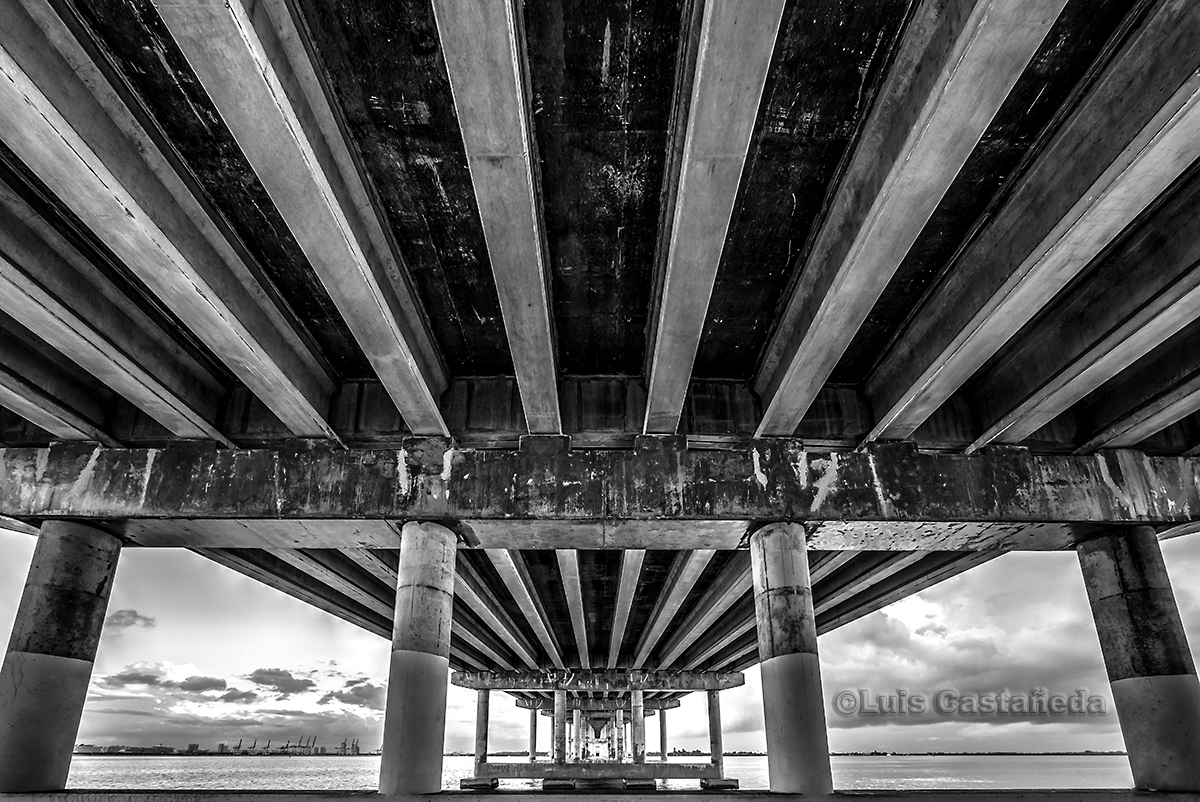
x=1146 y=653
x=45 y=675
x=415 y=720
x=793 y=708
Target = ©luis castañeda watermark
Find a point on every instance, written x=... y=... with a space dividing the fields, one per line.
x=950 y=702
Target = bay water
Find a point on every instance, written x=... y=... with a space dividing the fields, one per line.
x=361 y=773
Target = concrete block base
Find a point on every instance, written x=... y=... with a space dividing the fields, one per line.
x=479 y=783
x=641 y=785
x=718 y=784
x=558 y=785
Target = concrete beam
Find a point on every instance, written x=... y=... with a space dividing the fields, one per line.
x=684 y=574
x=939 y=795
x=862 y=574
x=48 y=287
x=511 y=567
x=735 y=45
x=1144 y=292
x=48 y=396
x=328 y=567
x=484 y=47
x=889 y=497
x=568 y=566
x=727 y=587
x=1134 y=132
x=474 y=591
x=89 y=141
x=592 y=681
x=1157 y=391
x=255 y=63
x=375 y=563
x=952 y=71
x=631 y=572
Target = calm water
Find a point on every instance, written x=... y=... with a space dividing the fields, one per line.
x=361 y=773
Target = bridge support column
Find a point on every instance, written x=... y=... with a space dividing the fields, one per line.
x=662 y=735
x=533 y=717
x=619 y=718
x=1146 y=653
x=793 y=708
x=716 y=747
x=577 y=728
x=482 y=704
x=638 y=715
x=560 y=726
x=45 y=675
x=415 y=721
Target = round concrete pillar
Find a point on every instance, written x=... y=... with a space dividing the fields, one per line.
x=637 y=715
x=560 y=727
x=793 y=707
x=662 y=735
x=533 y=714
x=45 y=675
x=482 y=705
x=1146 y=654
x=415 y=720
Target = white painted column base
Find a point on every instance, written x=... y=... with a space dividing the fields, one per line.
x=1160 y=722
x=794 y=714
x=41 y=701
x=414 y=727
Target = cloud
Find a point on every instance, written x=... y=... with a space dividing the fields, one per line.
x=121 y=620
x=280 y=680
x=202 y=684
x=135 y=677
x=238 y=697
x=366 y=694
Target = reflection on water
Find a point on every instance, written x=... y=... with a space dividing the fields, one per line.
x=361 y=773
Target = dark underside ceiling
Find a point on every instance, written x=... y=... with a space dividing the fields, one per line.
x=601 y=77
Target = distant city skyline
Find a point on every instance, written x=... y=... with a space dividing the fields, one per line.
x=195 y=653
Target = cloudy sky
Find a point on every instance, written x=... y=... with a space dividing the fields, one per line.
x=195 y=653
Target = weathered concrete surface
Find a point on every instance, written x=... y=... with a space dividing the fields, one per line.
x=716 y=750
x=598 y=680
x=793 y=706
x=768 y=480
x=44 y=678
x=1146 y=654
x=415 y=719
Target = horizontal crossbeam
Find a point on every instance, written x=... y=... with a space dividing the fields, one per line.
x=884 y=497
x=598 y=680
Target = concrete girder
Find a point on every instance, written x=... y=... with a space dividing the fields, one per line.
x=598 y=705
x=631 y=571
x=1128 y=138
x=731 y=584
x=1138 y=297
x=475 y=592
x=952 y=71
x=568 y=566
x=90 y=141
x=255 y=64
x=484 y=48
x=684 y=574
x=734 y=46
x=511 y=567
x=50 y=288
